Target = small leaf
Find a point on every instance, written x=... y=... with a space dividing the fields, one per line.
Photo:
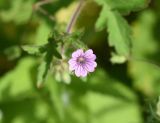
x=42 y=73
x=52 y=47
x=158 y=107
x=57 y=54
x=116 y=59
x=61 y=72
x=34 y=50
x=43 y=69
x=42 y=33
x=13 y=52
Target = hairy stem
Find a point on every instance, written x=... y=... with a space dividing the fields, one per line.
x=74 y=17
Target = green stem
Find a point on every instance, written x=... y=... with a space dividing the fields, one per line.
x=74 y=17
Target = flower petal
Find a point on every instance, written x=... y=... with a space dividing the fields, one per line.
x=83 y=72
x=71 y=67
x=80 y=71
x=77 y=53
x=88 y=52
x=94 y=64
x=89 y=68
x=91 y=63
x=89 y=55
x=72 y=64
x=72 y=61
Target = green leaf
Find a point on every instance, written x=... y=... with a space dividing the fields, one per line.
x=19 y=12
x=124 y=6
x=108 y=109
x=158 y=107
x=102 y=20
x=119 y=33
x=52 y=47
x=116 y=59
x=56 y=53
x=13 y=52
x=34 y=50
x=61 y=71
x=55 y=90
x=42 y=33
x=143 y=34
x=118 y=28
x=34 y=109
x=18 y=82
x=43 y=69
x=42 y=73
x=103 y=98
x=144 y=70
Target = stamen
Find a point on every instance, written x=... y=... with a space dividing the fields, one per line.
x=81 y=60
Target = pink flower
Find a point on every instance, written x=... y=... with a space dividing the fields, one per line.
x=82 y=62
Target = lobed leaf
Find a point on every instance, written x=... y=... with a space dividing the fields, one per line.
x=34 y=50
x=119 y=33
x=124 y=6
x=118 y=28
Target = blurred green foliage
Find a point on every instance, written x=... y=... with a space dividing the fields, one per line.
x=114 y=93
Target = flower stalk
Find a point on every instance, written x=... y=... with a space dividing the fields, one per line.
x=74 y=17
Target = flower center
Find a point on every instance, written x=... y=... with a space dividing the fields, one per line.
x=81 y=60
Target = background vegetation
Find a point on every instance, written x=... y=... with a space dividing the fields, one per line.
x=126 y=32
